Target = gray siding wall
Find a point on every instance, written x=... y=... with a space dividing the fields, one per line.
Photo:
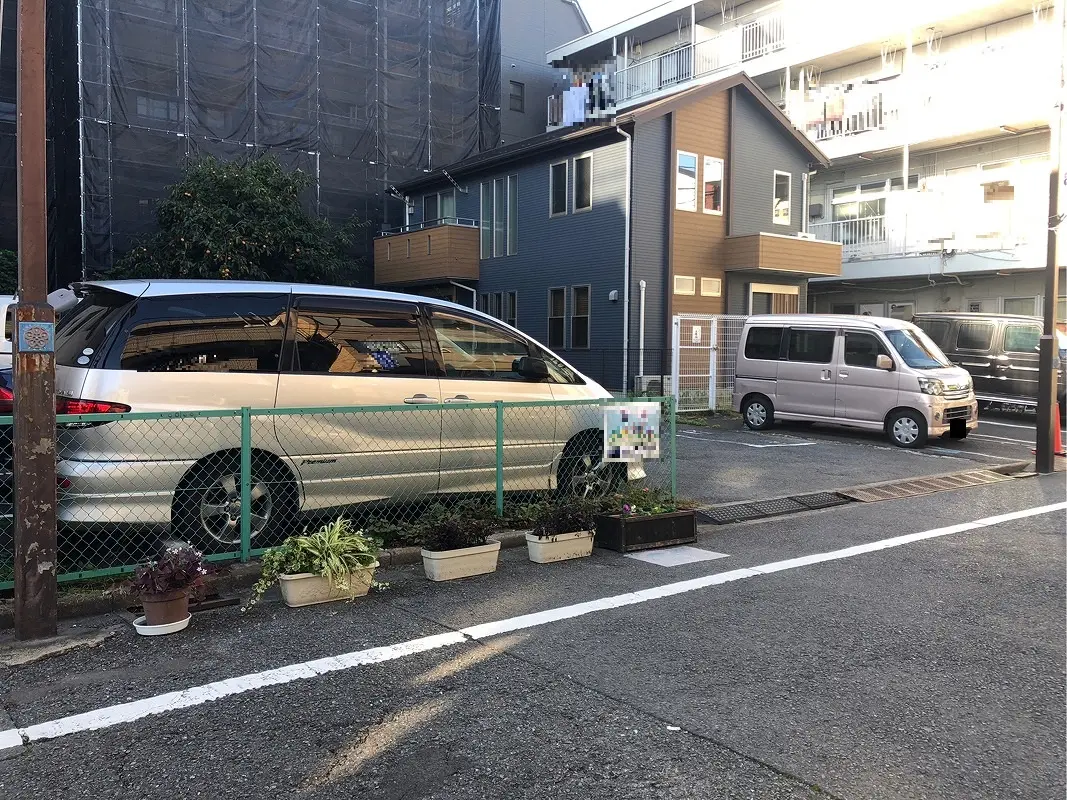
x=759 y=147
x=564 y=251
x=528 y=29
x=648 y=256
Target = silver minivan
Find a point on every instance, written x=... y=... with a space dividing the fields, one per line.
x=863 y=372
x=159 y=346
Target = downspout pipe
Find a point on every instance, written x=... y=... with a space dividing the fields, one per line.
x=641 y=331
x=626 y=265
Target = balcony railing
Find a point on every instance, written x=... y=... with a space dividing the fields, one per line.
x=463 y=222
x=754 y=38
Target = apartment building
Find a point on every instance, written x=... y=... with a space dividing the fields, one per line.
x=934 y=117
x=360 y=94
x=591 y=238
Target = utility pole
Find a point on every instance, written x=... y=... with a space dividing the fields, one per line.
x=1048 y=432
x=34 y=347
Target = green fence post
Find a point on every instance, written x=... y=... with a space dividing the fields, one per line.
x=673 y=419
x=246 y=483
x=499 y=458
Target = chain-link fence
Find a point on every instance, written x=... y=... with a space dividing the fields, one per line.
x=234 y=482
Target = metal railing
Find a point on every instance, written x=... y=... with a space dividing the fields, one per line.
x=866 y=237
x=234 y=482
x=463 y=222
x=754 y=37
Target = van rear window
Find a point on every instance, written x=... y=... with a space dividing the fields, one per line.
x=82 y=330
x=764 y=343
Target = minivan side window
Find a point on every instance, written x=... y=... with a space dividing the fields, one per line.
x=764 y=343
x=1021 y=338
x=974 y=336
x=84 y=329
x=206 y=333
x=936 y=329
x=343 y=339
x=815 y=347
x=863 y=349
x=476 y=350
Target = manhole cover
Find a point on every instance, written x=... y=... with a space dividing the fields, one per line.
x=821 y=500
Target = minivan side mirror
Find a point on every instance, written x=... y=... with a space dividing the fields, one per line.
x=531 y=368
x=884 y=362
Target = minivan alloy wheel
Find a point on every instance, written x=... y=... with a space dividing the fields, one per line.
x=591 y=478
x=220 y=509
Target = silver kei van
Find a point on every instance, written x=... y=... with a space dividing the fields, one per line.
x=861 y=372
x=159 y=346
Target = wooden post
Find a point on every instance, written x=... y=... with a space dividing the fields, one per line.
x=33 y=340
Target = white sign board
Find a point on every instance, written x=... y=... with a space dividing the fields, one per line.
x=631 y=432
x=696 y=334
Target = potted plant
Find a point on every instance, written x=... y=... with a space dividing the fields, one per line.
x=642 y=519
x=562 y=531
x=164 y=586
x=457 y=545
x=336 y=562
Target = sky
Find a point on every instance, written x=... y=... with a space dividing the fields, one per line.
x=602 y=13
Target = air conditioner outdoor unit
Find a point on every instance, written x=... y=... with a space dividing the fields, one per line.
x=808 y=236
x=654 y=385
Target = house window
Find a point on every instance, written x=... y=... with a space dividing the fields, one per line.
x=500 y=231
x=713 y=172
x=513 y=214
x=557 y=189
x=583 y=183
x=557 y=314
x=487 y=220
x=711 y=287
x=155 y=108
x=686 y=182
x=511 y=309
x=439 y=206
x=494 y=304
x=579 y=317
x=783 y=191
x=518 y=97
x=1021 y=305
x=483 y=302
x=685 y=284
x=770 y=298
x=429 y=209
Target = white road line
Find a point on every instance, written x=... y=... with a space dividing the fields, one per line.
x=743 y=444
x=1006 y=424
x=111 y=716
x=969 y=453
x=1002 y=439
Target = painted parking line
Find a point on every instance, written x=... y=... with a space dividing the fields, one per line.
x=969 y=454
x=111 y=716
x=1028 y=442
x=743 y=444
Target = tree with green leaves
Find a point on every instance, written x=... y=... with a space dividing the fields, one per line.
x=9 y=271
x=242 y=220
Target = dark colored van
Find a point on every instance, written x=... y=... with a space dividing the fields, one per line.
x=999 y=350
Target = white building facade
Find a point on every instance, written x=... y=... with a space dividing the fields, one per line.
x=935 y=116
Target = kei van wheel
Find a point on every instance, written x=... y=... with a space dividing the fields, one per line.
x=907 y=429
x=758 y=412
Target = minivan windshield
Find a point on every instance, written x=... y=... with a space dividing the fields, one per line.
x=917 y=350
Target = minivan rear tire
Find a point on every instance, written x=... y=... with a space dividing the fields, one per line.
x=210 y=480
x=907 y=429
x=758 y=412
x=582 y=472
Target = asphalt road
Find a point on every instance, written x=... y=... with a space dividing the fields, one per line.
x=930 y=669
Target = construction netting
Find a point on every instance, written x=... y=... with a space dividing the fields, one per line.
x=360 y=94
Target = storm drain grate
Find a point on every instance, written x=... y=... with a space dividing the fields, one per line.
x=916 y=488
x=727 y=514
x=772 y=508
x=821 y=500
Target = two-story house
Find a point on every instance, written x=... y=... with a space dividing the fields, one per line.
x=591 y=238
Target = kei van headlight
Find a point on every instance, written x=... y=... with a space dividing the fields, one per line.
x=931 y=386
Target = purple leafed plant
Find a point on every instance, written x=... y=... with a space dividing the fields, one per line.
x=179 y=567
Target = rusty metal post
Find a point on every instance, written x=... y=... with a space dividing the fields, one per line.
x=34 y=346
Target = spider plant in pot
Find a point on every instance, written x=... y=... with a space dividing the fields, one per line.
x=562 y=531
x=336 y=562
x=457 y=545
x=163 y=587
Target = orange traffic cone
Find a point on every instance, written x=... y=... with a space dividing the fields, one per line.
x=1057 y=435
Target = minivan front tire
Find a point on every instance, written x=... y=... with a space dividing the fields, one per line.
x=758 y=412
x=907 y=429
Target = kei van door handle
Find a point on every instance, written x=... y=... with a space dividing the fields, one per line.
x=827 y=375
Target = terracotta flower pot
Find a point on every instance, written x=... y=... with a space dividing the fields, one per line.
x=166 y=608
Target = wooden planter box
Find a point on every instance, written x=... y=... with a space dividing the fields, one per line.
x=624 y=534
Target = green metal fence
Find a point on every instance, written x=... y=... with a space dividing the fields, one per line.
x=234 y=482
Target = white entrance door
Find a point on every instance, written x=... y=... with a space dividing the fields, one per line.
x=694 y=357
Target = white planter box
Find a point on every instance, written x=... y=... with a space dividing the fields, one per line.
x=306 y=589
x=448 y=565
x=559 y=548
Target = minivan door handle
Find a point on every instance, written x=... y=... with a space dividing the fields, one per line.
x=420 y=400
x=827 y=374
x=459 y=398
x=842 y=374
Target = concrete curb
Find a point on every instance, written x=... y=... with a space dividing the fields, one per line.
x=229 y=580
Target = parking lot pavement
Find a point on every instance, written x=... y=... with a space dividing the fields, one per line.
x=931 y=668
x=725 y=462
